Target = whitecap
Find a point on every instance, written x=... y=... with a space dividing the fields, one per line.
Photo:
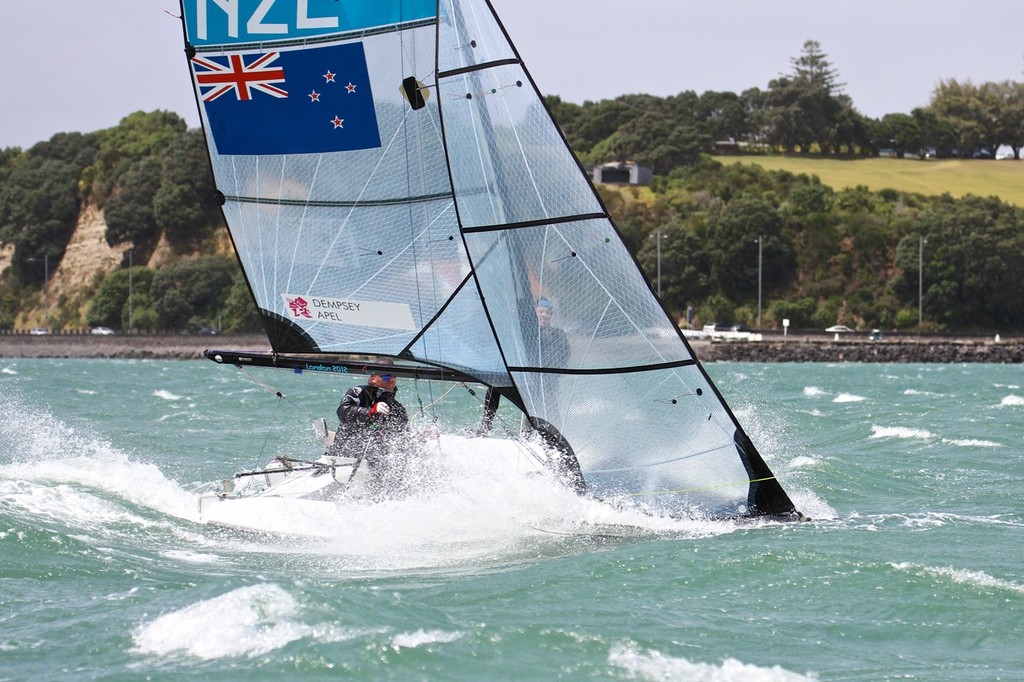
x=848 y=398
x=413 y=640
x=8 y=370
x=899 y=432
x=963 y=576
x=249 y=621
x=654 y=665
x=1012 y=401
x=811 y=391
x=971 y=443
x=802 y=461
x=166 y=395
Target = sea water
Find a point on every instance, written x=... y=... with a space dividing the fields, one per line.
x=913 y=567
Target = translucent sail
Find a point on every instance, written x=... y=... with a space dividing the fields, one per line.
x=394 y=185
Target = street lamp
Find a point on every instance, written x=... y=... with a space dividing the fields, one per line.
x=760 y=250
x=130 y=291
x=46 y=284
x=920 y=281
x=659 y=261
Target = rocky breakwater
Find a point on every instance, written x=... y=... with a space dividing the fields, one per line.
x=897 y=351
x=142 y=346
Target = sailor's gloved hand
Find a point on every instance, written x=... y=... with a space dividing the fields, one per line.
x=380 y=410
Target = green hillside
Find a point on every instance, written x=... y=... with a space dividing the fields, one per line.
x=957 y=177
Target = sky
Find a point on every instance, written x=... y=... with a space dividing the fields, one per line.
x=82 y=65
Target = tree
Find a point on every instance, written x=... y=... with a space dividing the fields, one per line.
x=733 y=247
x=899 y=132
x=129 y=212
x=110 y=305
x=185 y=204
x=40 y=200
x=188 y=294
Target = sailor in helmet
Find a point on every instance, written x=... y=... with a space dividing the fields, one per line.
x=371 y=426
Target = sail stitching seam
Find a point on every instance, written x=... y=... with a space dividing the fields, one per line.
x=536 y=223
x=476 y=67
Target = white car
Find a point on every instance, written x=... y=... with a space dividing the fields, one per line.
x=38 y=331
x=838 y=328
x=102 y=331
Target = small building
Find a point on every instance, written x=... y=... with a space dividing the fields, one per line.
x=622 y=173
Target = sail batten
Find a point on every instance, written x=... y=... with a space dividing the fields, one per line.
x=395 y=186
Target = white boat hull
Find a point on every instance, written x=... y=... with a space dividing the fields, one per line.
x=279 y=498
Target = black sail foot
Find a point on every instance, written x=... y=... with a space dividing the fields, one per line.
x=565 y=465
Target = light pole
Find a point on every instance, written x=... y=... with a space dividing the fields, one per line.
x=920 y=281
x=659 y=261
x=46 y=285
x=130 y=291
x=760 y=250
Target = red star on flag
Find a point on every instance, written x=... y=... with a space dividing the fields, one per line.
x=314 y=96
x=337 y=122
x=350 y=87
x=329 y=77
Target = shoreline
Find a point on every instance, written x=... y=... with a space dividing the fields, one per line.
x=822 y=348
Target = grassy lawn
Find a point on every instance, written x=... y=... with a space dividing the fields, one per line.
x=1004 y=179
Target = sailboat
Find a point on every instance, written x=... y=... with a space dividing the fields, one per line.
x=401 y=201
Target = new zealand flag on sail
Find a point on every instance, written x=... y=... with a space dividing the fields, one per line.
x=289 y=102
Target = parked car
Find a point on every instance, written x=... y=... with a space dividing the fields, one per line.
x=838 y=328
x=875 y=335
x=38 y=331
x=102 y=331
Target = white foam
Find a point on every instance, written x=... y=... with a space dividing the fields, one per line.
x=803 y=461
x=8 y=370
x=848 y=398
x=655 y=666
x=899 y=432
x=166 y=395
x=971 y=443
x=63 y=455
x=414 y=640
x=964 y=576
x=1012 y=401
x=249 y=621
x=812 y=391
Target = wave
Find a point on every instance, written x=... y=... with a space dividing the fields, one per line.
x=654 y=665
x=1012 y=401
x=899 y=432
x=811 y=391
x=971 y=443
x=249 y=621
x=848 y=398
x=964 y=577
x=166 y=395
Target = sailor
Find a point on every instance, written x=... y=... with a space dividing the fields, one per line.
x=554 y=347
x=371 y=427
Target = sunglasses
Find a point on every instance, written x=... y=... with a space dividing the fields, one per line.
x=387 y=378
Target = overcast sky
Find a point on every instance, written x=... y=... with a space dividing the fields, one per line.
x=82 y=65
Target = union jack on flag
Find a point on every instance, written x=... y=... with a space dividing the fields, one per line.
x=251 y=109
x=241 y=78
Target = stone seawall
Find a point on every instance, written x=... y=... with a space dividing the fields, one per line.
x=928 y=351
x=156 y=346
x=191 y=347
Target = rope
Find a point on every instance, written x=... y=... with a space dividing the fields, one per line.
x=276 y=392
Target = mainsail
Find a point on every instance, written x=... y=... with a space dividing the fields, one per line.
x=395 y=186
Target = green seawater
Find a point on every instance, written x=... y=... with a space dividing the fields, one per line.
x=912 y=569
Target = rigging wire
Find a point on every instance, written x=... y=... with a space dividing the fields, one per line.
x=276 y=392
